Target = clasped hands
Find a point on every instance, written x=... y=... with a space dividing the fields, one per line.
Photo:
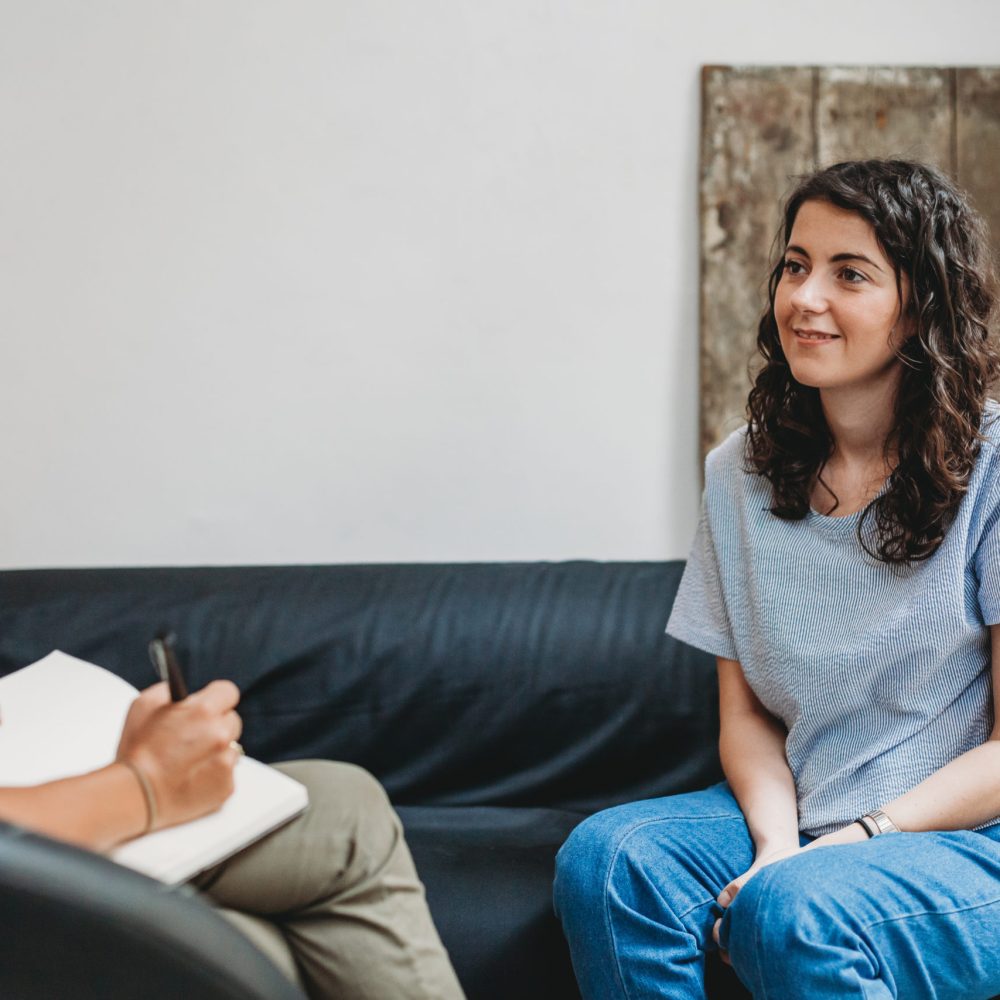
x=850 y=834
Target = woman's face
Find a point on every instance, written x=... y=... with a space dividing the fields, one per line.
x=836 y=305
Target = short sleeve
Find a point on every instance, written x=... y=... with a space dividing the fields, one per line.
x=699 y=615
x=987 y=557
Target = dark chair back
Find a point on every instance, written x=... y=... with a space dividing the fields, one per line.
x=73 y=924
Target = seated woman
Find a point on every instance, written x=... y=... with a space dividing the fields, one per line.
x=846 y=575
x=332 y=897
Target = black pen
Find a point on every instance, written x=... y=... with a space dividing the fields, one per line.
x=161 y=652
x=168 y=668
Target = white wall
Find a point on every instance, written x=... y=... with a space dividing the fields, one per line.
x=378 y=280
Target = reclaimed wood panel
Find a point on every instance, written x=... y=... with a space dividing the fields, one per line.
x=878 y=111
x=763 y=125
x=757 y=135
x=977 y=141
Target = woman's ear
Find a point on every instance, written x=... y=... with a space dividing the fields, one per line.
x=906 y=323
x=902 y=331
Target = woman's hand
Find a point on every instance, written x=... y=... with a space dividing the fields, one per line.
x=761 y=861
x=184 y=748
x=850 y=834
x=730 y=892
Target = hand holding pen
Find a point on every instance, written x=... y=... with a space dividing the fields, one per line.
x=182 y=750
x=167 y=667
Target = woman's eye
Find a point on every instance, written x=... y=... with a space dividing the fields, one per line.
x=852 y=277
x=793 y=267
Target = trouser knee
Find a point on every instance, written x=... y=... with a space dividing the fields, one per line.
x=782 y=924
x=614 y=855
x=350 y=816
x=582 y=862
x=766 y=914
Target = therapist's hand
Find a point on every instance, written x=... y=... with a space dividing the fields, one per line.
x=184 y=748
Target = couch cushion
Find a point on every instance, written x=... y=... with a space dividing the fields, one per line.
x=488 y=873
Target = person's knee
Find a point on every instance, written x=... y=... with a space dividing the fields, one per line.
x=784 y=918
x=583 y=860
x=588 y=842
x=348 y=806
x=616 y=852
x=338 y=785
x=768 y=909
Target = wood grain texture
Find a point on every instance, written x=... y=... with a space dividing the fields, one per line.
x=868 y=111
x=977 y=141
x=756 y=136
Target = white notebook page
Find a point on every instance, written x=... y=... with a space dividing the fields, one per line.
x=62 y=716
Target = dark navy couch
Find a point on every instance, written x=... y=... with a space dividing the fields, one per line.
x=498 y=703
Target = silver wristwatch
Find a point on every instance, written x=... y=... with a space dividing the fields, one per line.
x=876 y=822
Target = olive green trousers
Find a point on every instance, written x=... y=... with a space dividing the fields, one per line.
x=333 y=898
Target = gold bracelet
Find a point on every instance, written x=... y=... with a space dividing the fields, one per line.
x=147 y=792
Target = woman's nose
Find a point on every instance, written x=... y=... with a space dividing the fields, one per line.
x=810 y=295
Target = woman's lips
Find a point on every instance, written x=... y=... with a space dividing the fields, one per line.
x=815 y=337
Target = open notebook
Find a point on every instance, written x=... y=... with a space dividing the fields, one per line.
x=62 y=716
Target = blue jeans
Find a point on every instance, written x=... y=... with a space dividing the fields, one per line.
x=911 y=915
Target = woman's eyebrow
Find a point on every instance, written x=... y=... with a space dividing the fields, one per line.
x=793 y=248
x=855 y=256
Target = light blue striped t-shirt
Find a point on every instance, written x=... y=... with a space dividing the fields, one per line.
x=881 y=674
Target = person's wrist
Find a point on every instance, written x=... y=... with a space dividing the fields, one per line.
x=766 y=846
x=853 y=833
x=876 y=823
x=148 y=794
x=146 y=773
x=128 y=805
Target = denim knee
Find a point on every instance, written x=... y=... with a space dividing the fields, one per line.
x=784 y=917
x=582 y=861
x=635 y=891
x=615 y=853
x=771 y=910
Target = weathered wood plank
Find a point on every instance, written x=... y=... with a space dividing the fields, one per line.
x=977 y=141
x=870 y=111
x=866 y=111
x=757 y=134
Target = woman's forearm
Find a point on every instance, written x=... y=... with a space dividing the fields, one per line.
x=96 y=810
x=752 y=750
x=966 y=791
x=959 y=796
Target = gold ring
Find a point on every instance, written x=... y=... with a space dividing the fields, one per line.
x=238 y=747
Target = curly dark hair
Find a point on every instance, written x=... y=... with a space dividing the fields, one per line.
x=928 y=230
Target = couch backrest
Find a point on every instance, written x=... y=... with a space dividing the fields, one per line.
x=490 y=684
